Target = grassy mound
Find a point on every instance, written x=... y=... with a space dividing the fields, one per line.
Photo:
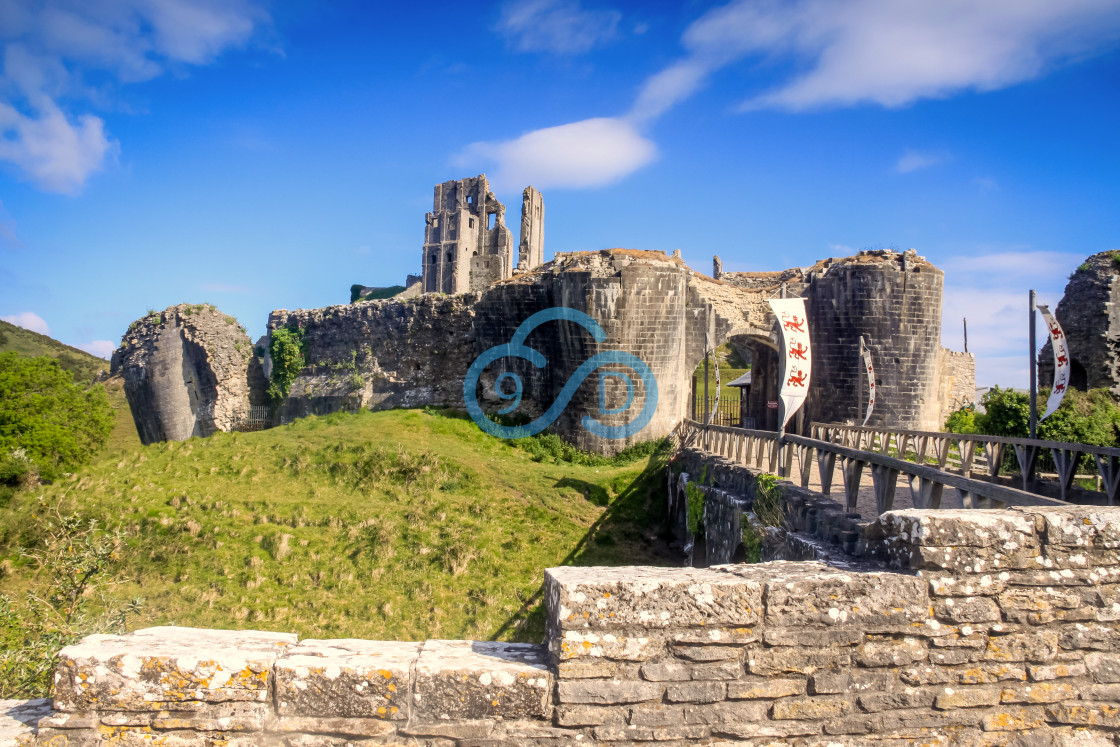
x=395 y=525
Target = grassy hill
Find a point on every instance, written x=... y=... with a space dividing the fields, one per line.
x=85 y=368
x=82 y=365
x=403 y=525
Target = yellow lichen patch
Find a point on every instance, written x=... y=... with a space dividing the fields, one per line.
x=391 y=687
x=494 y=703
x=381 y=711
x=385 y=673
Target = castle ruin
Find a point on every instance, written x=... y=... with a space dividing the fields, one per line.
x=415 y=349
x=467 y=245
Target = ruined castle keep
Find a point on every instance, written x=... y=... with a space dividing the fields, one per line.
x=466 y=243
x=415 y=349
x=1089 y=313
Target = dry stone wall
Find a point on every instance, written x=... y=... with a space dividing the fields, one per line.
x=960 y=627
x=188 y=371
x=956 y=383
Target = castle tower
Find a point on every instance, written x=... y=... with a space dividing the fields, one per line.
x=531 y=250
x=466 y=243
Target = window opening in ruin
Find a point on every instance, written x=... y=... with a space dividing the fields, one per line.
x=470 y=222
x=490 y=222
x=450 y=256
x=435 y=256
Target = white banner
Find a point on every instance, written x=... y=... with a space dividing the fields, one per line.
x=795 y=352
x=865 y=356
x=1061 y=362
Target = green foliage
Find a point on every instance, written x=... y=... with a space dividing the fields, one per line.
x=58 y=424
x=288 y=350
x=696 y=497
x=767 y=510
x=1091 y=418
x=962 y=420
x=1115 y=254
x=1085 y=266
x=66 y=600
x=550 y=448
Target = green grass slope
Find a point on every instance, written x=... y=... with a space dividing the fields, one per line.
x=405 y=525
x=81 y=364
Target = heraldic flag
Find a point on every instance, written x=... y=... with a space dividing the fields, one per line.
x=1061 y=362
x=795 y=353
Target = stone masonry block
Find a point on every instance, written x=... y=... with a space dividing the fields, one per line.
x=581 y=598
x=135 y=672
x=997 y=529
x=1077 y=526
x=480 y=680
x=346 y=678
x=813 y=594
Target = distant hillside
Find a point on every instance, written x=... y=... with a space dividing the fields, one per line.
x=84 y=366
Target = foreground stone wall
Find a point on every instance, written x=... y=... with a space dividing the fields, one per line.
x=960 y=628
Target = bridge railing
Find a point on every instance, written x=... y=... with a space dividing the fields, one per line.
x=760 y=449
x=934 y=447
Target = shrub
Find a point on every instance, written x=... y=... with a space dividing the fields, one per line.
x=57 y=424
x=696 y=496
x=288 y=350
x=65 y=602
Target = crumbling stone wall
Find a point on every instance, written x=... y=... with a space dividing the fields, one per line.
x=188 y=371
x=976 y=628
x=381 y=354
x=956 y=383
x=1089 y=313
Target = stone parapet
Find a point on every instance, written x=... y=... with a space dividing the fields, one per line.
x=977 y=628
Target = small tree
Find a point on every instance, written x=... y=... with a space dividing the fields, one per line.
x=48 y=420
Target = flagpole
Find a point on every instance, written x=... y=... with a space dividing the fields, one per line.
x=1034 y=370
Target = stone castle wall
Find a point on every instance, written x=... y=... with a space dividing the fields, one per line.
x=959 y=628
x=956 y=383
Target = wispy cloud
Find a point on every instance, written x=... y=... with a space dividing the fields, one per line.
x=589 y=153
x=912 y=160
x=29 y=320
x=556 y=26
x=48 y=49
x=100 y=348
x=849 y=52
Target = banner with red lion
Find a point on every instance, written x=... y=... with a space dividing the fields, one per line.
x=795 y=353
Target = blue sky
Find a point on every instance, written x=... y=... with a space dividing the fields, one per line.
x=261 y=156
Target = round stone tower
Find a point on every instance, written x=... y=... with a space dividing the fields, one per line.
x=638 y=298
x=894 y=301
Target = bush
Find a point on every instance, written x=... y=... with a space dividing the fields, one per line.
x=65 y=602
x=288 y=350
x=55 y=424
x=1091 y=418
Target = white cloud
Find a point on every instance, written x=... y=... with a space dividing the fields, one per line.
x=556 y=26
x=100 y=348
x=589 y=153
x=1008 y=264
x=913 y=160
x=58 y=155
x=885 y=53
x=29 y=320
x=49 y=46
